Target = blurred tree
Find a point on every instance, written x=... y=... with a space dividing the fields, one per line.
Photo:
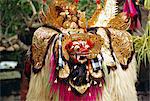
x=17 y=16
x=89 y=6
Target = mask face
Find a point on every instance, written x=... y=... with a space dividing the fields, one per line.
x=78 y=51
x=81 y=46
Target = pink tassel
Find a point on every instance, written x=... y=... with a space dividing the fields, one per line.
x=133 y=11
x=64 y=94
x=52 y=67
x=54 y=86
x=71 y=96
x=130 y=9
x=68 y=96
x=90 y=95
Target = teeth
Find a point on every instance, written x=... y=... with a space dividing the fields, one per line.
x=69 y=89
x=57 y=68
x=89 y=94
x=74 y=78
x=75 y=43
x=76 y=47
x=87 y=68
x=78 y=57
x=75 y=66
x=95 y=82
x=72 y=47
x=55 y=81
x=88 y=85
x=87 y=46
x=100 y=85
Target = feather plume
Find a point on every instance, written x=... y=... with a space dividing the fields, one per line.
x=109 y=11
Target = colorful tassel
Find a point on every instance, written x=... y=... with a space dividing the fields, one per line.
x=90 y=95
x=52 y=67
x=130 y=9
x=54 y=84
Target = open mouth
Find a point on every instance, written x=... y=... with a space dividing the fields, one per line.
x=82 y=60
x=80 y=72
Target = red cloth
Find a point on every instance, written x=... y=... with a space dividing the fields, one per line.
x=24 y=87
x=130 y=9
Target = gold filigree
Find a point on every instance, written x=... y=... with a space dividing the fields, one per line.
x=81 y=89
x=120 y=22
x=96 y=39
x=60 y=13
x=64 y=72
x=97 y=74
x=122 y=45
x=94 y=17
x=39 y=45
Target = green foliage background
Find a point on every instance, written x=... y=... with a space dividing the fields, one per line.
x=15 y=15
x=142 y=46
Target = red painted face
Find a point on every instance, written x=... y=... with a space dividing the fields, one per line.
x=79 y=49
x=79 y=46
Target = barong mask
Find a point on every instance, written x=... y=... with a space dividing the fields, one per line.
x=79 y=54
x=77 y=61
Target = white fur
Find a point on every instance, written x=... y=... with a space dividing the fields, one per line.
x=38 y=87
x=109 y=11
x=120 y=84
